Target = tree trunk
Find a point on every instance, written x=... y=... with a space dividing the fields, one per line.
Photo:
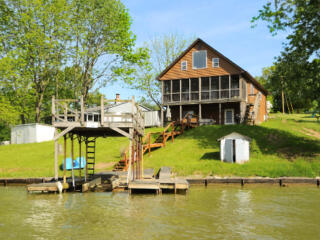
x=38 y=107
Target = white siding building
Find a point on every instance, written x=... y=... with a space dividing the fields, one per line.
x=31 y=133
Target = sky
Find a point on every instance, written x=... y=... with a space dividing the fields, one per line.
x=223 y=24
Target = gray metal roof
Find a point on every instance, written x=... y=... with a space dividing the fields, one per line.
x=235 y=135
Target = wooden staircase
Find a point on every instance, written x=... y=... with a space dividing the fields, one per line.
x=90 y=156
x=249 y=117
x=158 y=139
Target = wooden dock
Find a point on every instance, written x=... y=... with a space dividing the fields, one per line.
x=46 y=187
x=159 y=185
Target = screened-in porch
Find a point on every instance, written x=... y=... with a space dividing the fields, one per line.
x=203 y=89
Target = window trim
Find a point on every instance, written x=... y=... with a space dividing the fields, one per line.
x=186 y=65
x=214 y=62
x=193 y=67
x=225 y=116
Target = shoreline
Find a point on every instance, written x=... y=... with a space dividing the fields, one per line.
x=281 y=181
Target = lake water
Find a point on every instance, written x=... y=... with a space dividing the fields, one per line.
x=215 y=212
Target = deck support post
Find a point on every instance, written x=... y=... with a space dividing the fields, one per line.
x=102 y=110
x=72 y=170
x=86 y=173
x=220 y=113
x=79 y=140
x=180 y=112
x=64 y=158
x=161 y=116
x=56 y=154
x=130 y=156
x=200 y=112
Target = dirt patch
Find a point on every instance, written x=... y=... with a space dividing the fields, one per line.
x=310 y=132
x=105 y=165
x=273 y=137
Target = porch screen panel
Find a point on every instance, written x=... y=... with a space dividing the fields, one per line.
x=167 y=91
x=185 y=89
x=235 y=86
x=194 y=89
x=215 y=87
x=175 y=90
x=225 y=86
x=204 y=88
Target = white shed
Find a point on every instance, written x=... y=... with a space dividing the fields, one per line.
x=31 y=133
x=235 y=148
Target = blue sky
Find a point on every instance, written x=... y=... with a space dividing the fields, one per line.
x=223 y=24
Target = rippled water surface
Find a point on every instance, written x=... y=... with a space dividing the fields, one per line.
x=216 y=212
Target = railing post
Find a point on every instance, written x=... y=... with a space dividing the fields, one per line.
x=82 y=109
x=65 y=112
x=149 y=144
x=102 y=110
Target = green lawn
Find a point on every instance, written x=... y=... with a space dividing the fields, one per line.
x=285 y=145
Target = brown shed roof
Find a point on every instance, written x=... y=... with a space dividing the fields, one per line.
x=198 y=40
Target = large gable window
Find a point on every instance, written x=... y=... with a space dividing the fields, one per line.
x=199 y=59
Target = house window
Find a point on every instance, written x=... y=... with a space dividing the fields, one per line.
x=215 y=62
x=194 y=88
x=184 y=65
x=199 y=59
x=215 y=87
x=228 y=116
x=225 y=86
x=175 y=90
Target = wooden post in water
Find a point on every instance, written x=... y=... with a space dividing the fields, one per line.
x=64 y=158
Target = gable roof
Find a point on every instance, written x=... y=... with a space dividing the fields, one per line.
x=198 y=40
x=235 y=135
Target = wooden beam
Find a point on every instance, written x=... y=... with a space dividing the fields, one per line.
x=124 y=133
x=219 y=113
x=65 y=131
x=102 y=110
x=64 y=159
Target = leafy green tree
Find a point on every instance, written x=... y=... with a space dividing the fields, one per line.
x=297 y=68
x=35 y=40
x=102 y=46
x=162 y=50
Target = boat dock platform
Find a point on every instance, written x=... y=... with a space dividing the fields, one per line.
x=159 y=185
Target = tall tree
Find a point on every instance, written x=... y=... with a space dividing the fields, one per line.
x=162 y=50
x=297 y=68
x=102 y=47
x=35 y=40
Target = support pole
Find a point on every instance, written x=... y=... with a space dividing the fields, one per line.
x=56 y=154
x=180 y=112
x=161 y=116
x=72 y=171
x=79 y=140
x=64 y=159
x=141 y=152
x=220 y=113
x=200 y=112
x=130 y=155
x=102 y=110
x=86 y=174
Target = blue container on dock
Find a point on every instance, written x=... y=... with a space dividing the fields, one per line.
x=76 y=163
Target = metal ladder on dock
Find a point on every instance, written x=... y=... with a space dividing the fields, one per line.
x=90 y=156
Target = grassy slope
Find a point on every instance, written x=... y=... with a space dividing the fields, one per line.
x=280 y=147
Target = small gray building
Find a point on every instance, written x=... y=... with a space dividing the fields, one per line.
x=235 y=148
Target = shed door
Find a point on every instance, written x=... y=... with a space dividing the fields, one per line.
x=242 y=151
x=228 y=150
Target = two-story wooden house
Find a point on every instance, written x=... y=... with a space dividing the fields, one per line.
x=204 y=82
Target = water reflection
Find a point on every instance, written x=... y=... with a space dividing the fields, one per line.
x=218 y=212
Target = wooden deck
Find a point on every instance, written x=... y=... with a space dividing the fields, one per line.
x=158 y=185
